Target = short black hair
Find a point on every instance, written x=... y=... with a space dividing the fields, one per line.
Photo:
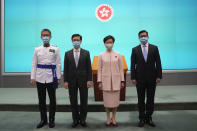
x=108 y=37
x=74 y=35
x=46 y=30
x=142 y=31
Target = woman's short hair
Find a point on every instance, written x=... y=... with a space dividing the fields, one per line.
x=108 y=37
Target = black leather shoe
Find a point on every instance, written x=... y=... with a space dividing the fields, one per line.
x=150 y=123
x=51 y=124
x=141 y=123
x=83 y=123
x=75 y=123
x=41 y=124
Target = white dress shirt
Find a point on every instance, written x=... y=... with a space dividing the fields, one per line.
x=45 y=56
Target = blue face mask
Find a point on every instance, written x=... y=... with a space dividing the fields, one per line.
x=45 y=39
x=76 y=44
x=144 y=40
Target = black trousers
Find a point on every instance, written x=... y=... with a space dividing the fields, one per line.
x=41 y=88
x=146 y=89
x=79 y=113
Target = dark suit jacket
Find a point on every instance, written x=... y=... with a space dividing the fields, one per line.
x=145 y=71
x=80 y=74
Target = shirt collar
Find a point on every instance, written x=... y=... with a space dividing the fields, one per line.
x=145 y=45
x=77 y=49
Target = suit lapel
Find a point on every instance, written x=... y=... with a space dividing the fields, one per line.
x=72 y=57
x=80 y=57
x=140 y=52
x=149 y=50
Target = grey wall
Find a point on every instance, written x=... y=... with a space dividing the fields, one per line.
x=180 y=78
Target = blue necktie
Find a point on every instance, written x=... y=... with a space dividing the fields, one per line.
x=145 y=53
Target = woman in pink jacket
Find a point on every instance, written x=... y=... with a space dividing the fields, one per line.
x=110 y=78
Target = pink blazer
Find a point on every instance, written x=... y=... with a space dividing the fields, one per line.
x=110 y=70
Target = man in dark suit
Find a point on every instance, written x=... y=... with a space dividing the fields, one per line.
x=146 y=72
x=77 y=75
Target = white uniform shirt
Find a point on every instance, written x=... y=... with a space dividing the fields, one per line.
x=45 y=56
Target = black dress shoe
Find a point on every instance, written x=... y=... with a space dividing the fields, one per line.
x=141 y=123
x=150 y=123
x=83 y=123
x=41 y=124
x=51 y=124
x=75 y=123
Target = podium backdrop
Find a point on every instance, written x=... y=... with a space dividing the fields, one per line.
x=171 y=25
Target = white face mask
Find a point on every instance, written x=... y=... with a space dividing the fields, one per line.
x=144 y=40
x=109 y=46
x=76 y=44
x=46 y=39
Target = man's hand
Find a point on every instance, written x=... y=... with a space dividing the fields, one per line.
x=32 y=82
x=122 y=84
x=66 y=85
x=100 y=86
x=158 y=80
x=59 y=81
x=134 y=82
x=88 y=84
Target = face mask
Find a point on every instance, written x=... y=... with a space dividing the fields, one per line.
x=45 y=39
x=144 y=40
x=76 y=44
x=109 y=46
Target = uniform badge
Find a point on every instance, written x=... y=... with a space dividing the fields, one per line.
x=52 y=50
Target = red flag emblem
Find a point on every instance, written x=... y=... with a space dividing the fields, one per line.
x=104 y=12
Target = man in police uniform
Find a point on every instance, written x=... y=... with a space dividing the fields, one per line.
x=46 y=73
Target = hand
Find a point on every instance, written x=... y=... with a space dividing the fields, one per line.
x=100 y=86
x=158 y=80
x=58 y=81
x=122 y=84
x=89 y=84
x=134 y=82
x=32 y=82
x=66 y=85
